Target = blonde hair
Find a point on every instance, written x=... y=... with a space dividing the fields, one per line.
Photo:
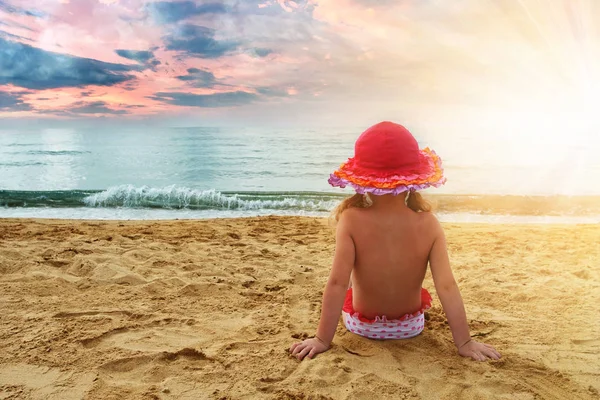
x=415 y=202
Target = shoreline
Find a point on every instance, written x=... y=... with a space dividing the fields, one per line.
x=460 y=218
x=181 y=308
x=128 y=198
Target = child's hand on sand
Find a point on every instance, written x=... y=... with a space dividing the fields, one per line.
x=478 y=351
x=308 y=347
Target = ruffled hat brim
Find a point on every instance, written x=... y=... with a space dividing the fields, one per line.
x=429 y=174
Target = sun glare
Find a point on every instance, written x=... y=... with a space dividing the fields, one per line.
x=535 y=92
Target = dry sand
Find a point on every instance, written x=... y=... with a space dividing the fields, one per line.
x=207 y=310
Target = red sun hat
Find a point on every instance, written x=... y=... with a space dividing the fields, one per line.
x=387 y=160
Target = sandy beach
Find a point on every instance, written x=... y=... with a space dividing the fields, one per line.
x=208 y=309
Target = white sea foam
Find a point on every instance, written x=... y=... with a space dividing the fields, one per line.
x=173 y=197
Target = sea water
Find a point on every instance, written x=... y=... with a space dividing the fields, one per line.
x=169 y=173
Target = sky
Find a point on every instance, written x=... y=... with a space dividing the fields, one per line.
x=532 y=64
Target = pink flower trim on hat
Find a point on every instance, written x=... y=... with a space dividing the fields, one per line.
x=392 y=182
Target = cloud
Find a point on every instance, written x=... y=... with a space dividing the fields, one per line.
x=261 y=52
x=169 y=12
x=198 y=41
x=96 y=107
x=13 y=24
x=136 y=55
x=10 y=9
x=13 y=102
x=375 y=3
x=29 y=67
x=200 y=78
x=7 y=35
x=141 y=56
x=272 y=91
x=226 y=99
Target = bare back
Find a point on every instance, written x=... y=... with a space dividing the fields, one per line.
x=392 y=245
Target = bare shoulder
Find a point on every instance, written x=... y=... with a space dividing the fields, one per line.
x=431 y=224
x=350 y=217
x=429 y=218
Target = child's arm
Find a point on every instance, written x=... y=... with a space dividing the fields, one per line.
x=333 y=296
x=452 y=302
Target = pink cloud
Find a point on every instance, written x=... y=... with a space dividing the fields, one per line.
x=379 y=53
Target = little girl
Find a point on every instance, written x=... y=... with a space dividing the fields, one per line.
x=385 y=238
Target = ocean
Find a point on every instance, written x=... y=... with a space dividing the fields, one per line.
x=187 y=173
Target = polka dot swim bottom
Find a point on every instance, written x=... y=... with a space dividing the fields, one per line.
x=385 y=329
x=407 y=326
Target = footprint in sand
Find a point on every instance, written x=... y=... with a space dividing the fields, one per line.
x=175 y=370
x=153 y=338
x=167 y=334
x=37 y=382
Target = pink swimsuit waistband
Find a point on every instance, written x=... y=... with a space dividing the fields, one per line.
x=349 y=308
